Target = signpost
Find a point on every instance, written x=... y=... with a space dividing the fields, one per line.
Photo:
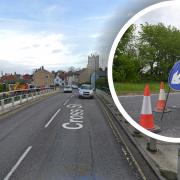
x=174 y=77
x=173 y=81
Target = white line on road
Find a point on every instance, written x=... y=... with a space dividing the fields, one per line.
x=66 y=102
x=18 y=163
x=52 y=118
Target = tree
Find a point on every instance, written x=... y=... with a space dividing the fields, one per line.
x=148 y=54
x=125 y=64
x=71 y=69
x=158 y=49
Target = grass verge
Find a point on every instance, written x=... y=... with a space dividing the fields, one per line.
x=137 y=88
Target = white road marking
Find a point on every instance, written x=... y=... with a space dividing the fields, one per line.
x=76 y=116
x=52 y=118
x=18 y=163
x=66 y=102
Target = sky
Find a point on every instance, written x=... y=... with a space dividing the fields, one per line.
x=161 y=16
x=58 y=34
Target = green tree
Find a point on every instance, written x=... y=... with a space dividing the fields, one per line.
x=102 y=83
x=126 y=67
x=158 y=49
x=148 y=54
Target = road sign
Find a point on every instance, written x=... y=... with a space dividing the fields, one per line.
x=174 y=77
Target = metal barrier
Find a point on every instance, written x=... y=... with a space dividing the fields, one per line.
x=12 y=98
x=105 y=89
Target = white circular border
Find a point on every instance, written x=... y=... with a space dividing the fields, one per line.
x=110 y=78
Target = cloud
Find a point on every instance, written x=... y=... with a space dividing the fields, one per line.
x=36 y=45
x=32 y=50
x=115 y=23
x=10 y=67
x=95 y=35
x=95 y=18
x=160 y=16
x=57 y=51
x=53 y=10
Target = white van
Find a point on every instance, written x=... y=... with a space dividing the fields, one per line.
x=86 y=91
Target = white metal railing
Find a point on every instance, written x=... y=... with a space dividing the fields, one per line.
x=12 y=98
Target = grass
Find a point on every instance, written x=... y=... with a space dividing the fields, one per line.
x=137 y=88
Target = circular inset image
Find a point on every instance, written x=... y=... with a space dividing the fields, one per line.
x=144 y=71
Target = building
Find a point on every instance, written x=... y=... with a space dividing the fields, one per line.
x=27 y=78
x=84 y=76
x=60 y=79
x=8 y=79
x=73 y=78
x=93 y=62
x=43 y=78
x=11 y=78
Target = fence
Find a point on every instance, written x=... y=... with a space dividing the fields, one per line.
x=12 y=98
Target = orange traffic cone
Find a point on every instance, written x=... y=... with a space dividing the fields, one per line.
x=160 y=105
x=146 y=117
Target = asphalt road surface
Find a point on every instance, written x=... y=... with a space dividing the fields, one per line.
x=170 y=125
x=61 y=138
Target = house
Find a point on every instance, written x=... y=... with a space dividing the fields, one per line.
x=73 y=78
x=11 y=78
x=43 y=78
x=27 y=78
x=8 y=78
x=96 y=75
x=84 y=76
x=60 y=79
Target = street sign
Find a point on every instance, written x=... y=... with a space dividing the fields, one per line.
x=174 y=77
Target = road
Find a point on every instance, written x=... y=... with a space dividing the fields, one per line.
x=61 y=137
x=171 y=121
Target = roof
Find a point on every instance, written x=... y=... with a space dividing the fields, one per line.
x=9 y=77
x=27 y=77
x=70 y=73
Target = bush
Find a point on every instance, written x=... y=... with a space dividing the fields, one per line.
x=102 y=83
x=4 y=88
x=126 y=69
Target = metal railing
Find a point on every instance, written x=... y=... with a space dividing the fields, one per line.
x=12 y=98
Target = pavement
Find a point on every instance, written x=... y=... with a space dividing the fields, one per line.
x=61 y=137
x=166 y=158
x=170 y=125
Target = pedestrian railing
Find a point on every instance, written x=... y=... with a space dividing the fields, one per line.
x=12 y=98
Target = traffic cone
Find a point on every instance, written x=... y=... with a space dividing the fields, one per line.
x=160 y=105
x=146 y=117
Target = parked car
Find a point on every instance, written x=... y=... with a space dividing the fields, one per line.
x=74 y=86
x=86 y=91
x=67 y=89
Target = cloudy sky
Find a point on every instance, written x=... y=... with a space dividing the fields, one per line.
x=58 y=34
x=168 y=15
